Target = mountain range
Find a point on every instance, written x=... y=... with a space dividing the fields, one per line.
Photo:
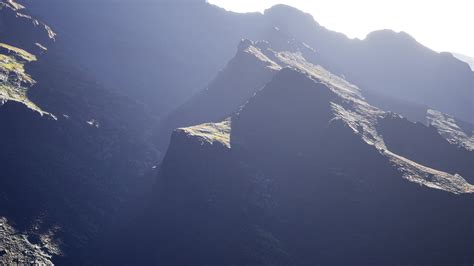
x=178 y=133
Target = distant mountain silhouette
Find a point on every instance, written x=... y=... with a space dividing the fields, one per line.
x=156 y=51
x=386 y=62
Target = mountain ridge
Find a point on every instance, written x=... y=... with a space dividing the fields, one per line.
x=336 y=52
x=284 y=160
x=138 y=137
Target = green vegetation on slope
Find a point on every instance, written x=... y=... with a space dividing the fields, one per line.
x=14 y=80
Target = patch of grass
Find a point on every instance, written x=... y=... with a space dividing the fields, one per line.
x=14 y=81
x=9 y=65
x=211 y=132
x=28 y=57
x=10 y=93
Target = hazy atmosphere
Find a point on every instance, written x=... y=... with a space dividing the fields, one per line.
x=196 y=133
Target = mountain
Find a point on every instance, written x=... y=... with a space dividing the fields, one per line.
x=136 y=133
x=158 y=48
x=386 y=62
x=246 y=73
x=394 y=83
x=228 y=91
x=275 y=183
x=156 y=52
x=74 y=154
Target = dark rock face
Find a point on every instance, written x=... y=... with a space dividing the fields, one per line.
x=74 y=155
x=285 y=108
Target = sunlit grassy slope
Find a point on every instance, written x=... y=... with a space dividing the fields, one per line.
x=14 y=80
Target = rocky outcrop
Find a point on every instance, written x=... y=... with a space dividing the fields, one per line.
x=453 y=130
x=17 y=248
x=244 y=75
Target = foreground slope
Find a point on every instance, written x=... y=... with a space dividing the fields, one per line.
x=74 y=154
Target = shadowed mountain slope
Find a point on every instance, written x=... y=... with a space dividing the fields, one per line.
x=74 y=153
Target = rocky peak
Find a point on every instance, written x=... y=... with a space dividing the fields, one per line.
x=390 y=36
x=283 y=14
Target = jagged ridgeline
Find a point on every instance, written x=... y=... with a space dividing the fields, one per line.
x=134 y=133
x=160 y=58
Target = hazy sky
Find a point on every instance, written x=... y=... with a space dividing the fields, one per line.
x=442 y=25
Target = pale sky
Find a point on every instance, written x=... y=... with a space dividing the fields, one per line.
x=442 y=25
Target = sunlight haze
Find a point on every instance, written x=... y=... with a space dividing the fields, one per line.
x=440 y=25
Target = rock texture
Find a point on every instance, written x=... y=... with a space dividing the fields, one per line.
x=18 y=249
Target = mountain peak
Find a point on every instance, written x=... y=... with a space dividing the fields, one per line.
x=283 y=14
x=286 y=11
x=387 y=35
x=244 y=44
